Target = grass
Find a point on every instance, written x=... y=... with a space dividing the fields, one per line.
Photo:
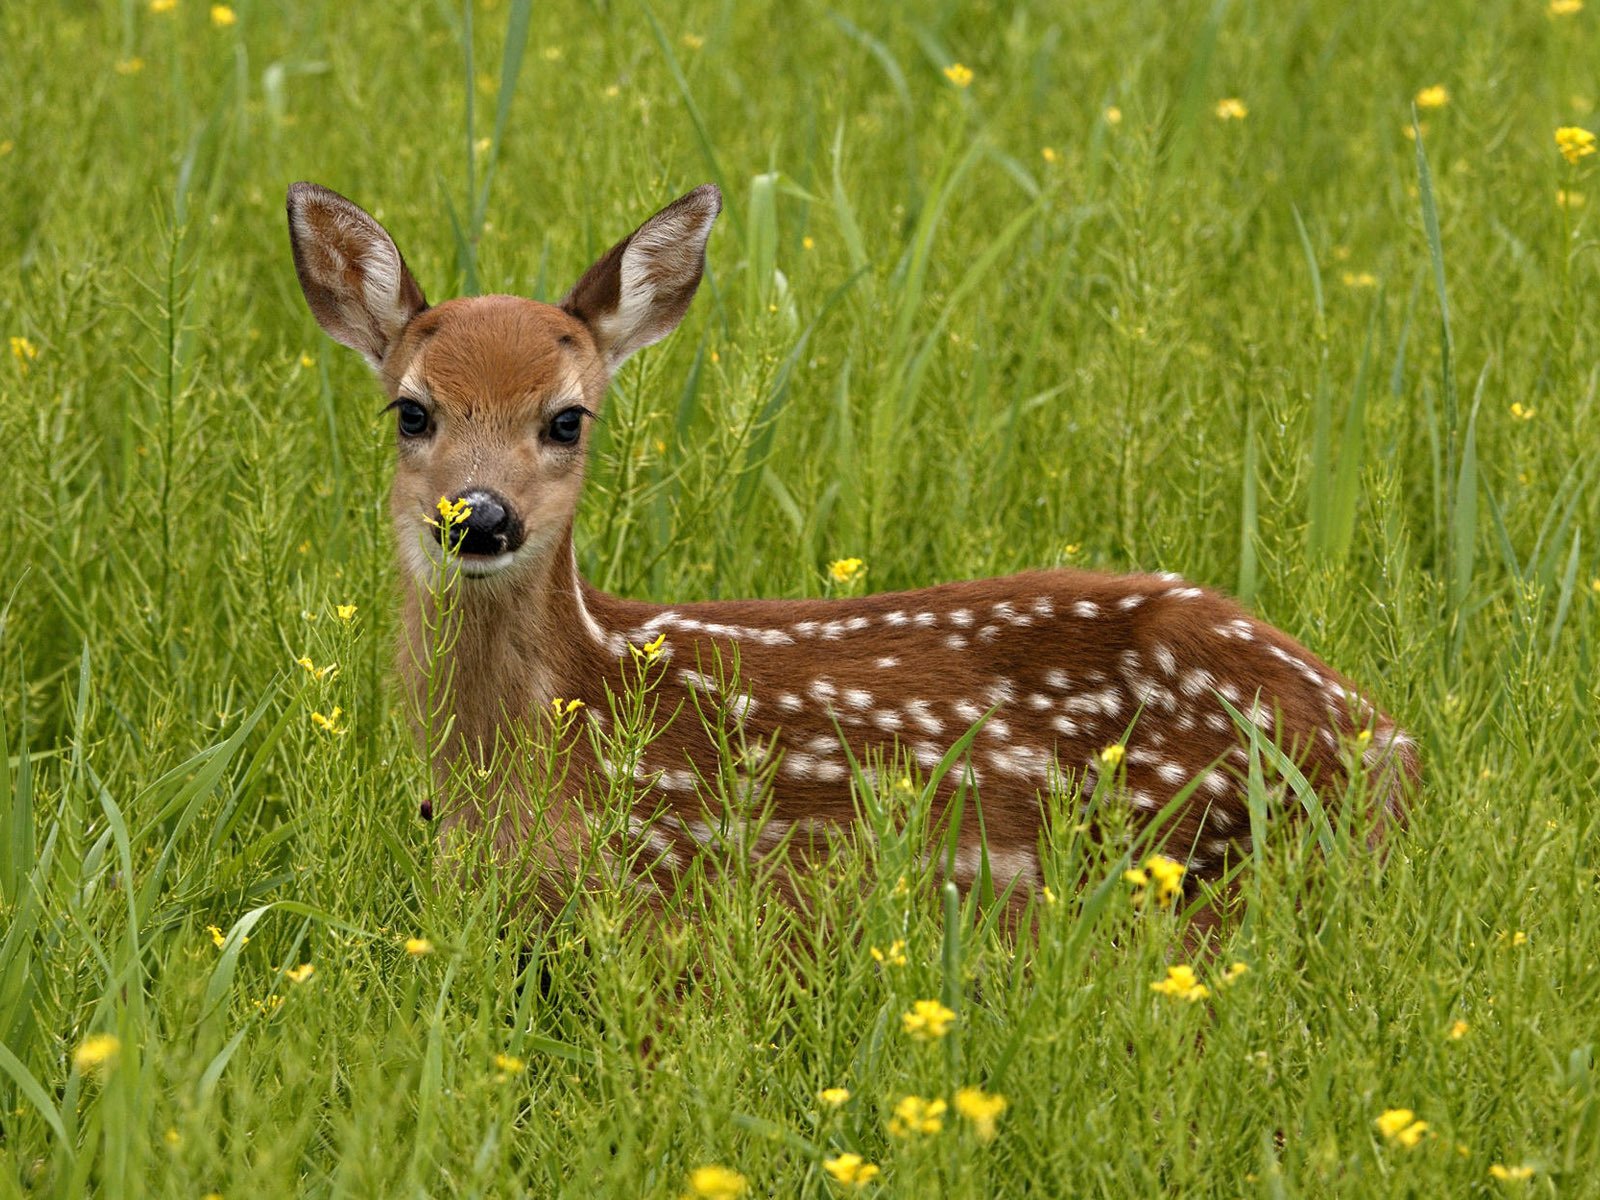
x=954 y=332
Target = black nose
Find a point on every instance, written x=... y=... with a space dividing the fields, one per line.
x=490 y=528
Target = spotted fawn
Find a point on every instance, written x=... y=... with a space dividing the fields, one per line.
x=493 y=399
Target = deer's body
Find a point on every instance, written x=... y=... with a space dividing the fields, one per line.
x=1057 y=665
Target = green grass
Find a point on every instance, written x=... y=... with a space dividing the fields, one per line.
x=923 y=341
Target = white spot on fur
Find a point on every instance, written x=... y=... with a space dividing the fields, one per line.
x=956 y=642
x=887 y=719
x=856 y=698
x=698 y=681
x=823 y=691
x=1165 y=659
x=1038 y=701
x=788 y=702
x=919 y=712
x=895 y=618
x=1131 y=602
x=988 y=633
x=887 y=661
x=967 y=710
x=1043 y=606
x=1087 y=609
x=961 y=618
x=1065 y=725
x=924 y=620
x=1057 y=680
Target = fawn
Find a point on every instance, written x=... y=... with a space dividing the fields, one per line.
x=493 y=398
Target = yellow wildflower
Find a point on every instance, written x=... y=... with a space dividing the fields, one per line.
x=1400 y=1125
x=716 y=1183
x=452 y=512
x=1564 y=8
x=270 y=1005
x=1359 y=279
x=981 y=1108
x=894 y=956
x=417 y=947
x=834 y=1097
x=222 y=16
x=1168 y=875
x=1522 y=412
x=128 y=66
x=96 y=1052
x=914 y=1115
x=23 y=351
x=219 y=939
x=329 y=723
x=651 y=650
x=1233 y=973
x=345 y=612
x=172 y=1138
x=1569 y=200
x=1512 y=939
x=1181 y=984
x=959 y=75
x=1507 y=1174
x=163 y=6
x=927 y=1021
x=1049 y=894
x=508 y=1065
x=1113 y=115
x=1436 y=96
x=1048 y=153
x=1231 y=109
x=564 y=708
x=850 y=1170
x=1112 y=755
x=846 y=570
x=1458 y=1030
x=301 y=973
x=1574 y=142
x=693 y=41
x=315 y=671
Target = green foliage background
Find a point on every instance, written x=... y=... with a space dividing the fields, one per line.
x=953 y=331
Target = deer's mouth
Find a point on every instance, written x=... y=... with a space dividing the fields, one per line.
x=481 y=566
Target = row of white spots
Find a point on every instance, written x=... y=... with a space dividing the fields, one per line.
x=1002 y=612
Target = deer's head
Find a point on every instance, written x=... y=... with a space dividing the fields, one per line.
x=492 y=395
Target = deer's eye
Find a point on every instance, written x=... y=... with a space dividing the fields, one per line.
x=566 y=426
x=413 y=418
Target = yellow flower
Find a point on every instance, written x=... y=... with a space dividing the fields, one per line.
x=222 y=16
x=1112 y=755
x=1574 y=142
x=128 y=66
x=1049 y=894
x=1233 y=973
x=914 y=1115
x=1458 y=1031
x=172 y=1138
x=846 y=570
x=345 y=612
x=1568 y=200
x=1507 y=1174
x=1231 y=109
x=219 y=939
x=1436 y=96
x=508 y=1065
x=959 y=75
x=1513 y=939
x=850 y=1170
x=23 y=351
x=1564 y=8
x=1359 y=279
x=418 y=947
x=301 y=973
x=1113 y=115
x=1400 y=1125
x=564 y=708
x=270 y=1005
x=927 y=1021
x=693 y=41
x=894 y=956
x=808 y=242
x=315 y=671
x=452 y=512
x=1168 y=875
x=163 y=6
x=1181 y=984
x=834 y=1097
x=1522 y=412
x=716 y=1183
x=651 y=650
x=330 y=723
x=96 y=1052
x=1048 y=153
x=981 y=1108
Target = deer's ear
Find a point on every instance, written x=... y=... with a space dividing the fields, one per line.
x=354 y=279
x=639 y=290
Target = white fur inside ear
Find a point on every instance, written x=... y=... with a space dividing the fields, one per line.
x=664 y=256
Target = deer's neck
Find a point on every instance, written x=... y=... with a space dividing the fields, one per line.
x=496 y=651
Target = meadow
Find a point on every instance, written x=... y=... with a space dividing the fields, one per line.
x=1298 y=300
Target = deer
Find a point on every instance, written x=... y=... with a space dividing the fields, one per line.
x=1063 y=673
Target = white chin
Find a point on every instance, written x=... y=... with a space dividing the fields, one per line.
x=481 y=567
